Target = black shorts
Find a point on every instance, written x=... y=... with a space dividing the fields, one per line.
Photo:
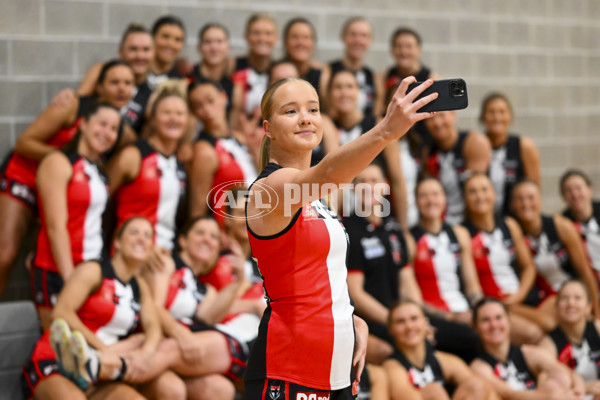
x=19 y=191
x=34 y=372
x=275 y=389
x=45 y=287
x=239 y=353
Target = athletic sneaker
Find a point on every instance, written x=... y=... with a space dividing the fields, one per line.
x=60 y=338
x=87 y=360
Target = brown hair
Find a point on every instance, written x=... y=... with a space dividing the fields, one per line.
x=352 y=20
x=405 y=31
x=400 y=303
x=574 y=172
x=491 y=97
x=257 y=17
x=125 y=224
x=134 y=27
x=168 y=88
x=483 y=302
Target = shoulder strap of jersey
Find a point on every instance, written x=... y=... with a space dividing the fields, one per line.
x=417 y=232
x=513 y=149
x=470 y=227
x=367 y=123
x=559 y=339
x=592 y=337
x=336 y=66
x=401 y=358
x=596 y=210
x=433 y=362
x=488 y=358
x=144 y=147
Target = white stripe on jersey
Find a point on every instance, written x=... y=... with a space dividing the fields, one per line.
x=92 y=237
x=258 y=86
x=168 y=201
x=498 y=175
x=346 y=136
x=410 y=170
x=446 y=271
x=343 y=340
x=184 y=305
x=546 y=262
x=243 y=327
x=243 y=158
x=451 y=183
x=500 y=261
x=591 y=230
x=123 y=316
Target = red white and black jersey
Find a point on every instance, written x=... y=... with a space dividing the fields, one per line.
x=583 y=358
x=87 y=195
x=550 y=257
x=421 y=377
x=254 y=84
x=411 y=168
x=437 y=267
x=156 y=193
x=590 y=232
x=506 y=169
x=449 y=168
x=185 y=293
x=347 y=135
x=379 y=253
x=366 y=84
x=236 y=167
x=515 y=372
x=112 y=312
x=306 y=335
x=225 y=82
x=134 y=111
x=495 y=259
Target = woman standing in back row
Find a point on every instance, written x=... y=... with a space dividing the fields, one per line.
x=306 y=337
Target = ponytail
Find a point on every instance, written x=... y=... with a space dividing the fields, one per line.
x=265 y=153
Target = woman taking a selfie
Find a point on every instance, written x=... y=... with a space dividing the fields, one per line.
x=308 y=289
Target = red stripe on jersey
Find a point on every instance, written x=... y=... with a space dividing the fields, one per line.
x=98 y=309
x=140 y=196
x=228 y=171
x=426 y=275
x=433 y=165
x=484 y=269
x=174 y=286
x=220 y=276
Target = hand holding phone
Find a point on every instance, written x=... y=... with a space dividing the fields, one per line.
x=452 y=95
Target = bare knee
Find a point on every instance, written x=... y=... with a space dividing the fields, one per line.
x=168 y=386
x=434 y=391
x=472 y=389
x=57 y=387
x=210 y=387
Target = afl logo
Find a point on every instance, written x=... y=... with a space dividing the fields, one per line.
x=229 y=199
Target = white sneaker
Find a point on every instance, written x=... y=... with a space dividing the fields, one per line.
x=87 y=361
x=60 y=339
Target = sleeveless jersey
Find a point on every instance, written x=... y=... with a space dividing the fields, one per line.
x=155 y=194
x=306 y=335
x=551 y=258
x=437 y=269
x=86 y=195
x=410 y=169
x=154 y=80
x=225 y=82
x=313 y=76
x=363 y=126
x=393 y=77
x=366 y=83
x=419 y=378
x=495 y=260
x=112 y=312
x=590 y=232
x=506 y=169
x=449 y=167
x=235 y=165
x=583 y=358
x=185 y=293
x=254 y=84
x=379 y=253
x=515 y=372
x=23 y=169
x=134 y=111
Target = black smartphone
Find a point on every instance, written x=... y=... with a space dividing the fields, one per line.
x=452 y=95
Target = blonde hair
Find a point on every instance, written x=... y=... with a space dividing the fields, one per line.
x=266 y=110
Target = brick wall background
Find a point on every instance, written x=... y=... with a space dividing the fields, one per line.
x=545 y=54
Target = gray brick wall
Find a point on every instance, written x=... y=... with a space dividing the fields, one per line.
x=545 y=54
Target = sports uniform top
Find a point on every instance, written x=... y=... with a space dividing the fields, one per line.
x=253 y=83
x=225 y=82
x=86 y=198
x=411 y=168
x=18 y=171
x=112 y=312
x=506 y=169
x=378 y=252
x=313 y=76
x=430 y=373
x=495 y=259
x=154 y=80
x=550 y=257
x=236 y=168
x=437 y=267
x=345 y=136
x=184 y=294
x=514 y=372
x=583 y=358
x=590 y=232
x=135 y=110
x=156 y=193
x=449 y=168
x=306 y=335
x=366 y=84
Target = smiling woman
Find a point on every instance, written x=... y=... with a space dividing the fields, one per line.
x=308 y=288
